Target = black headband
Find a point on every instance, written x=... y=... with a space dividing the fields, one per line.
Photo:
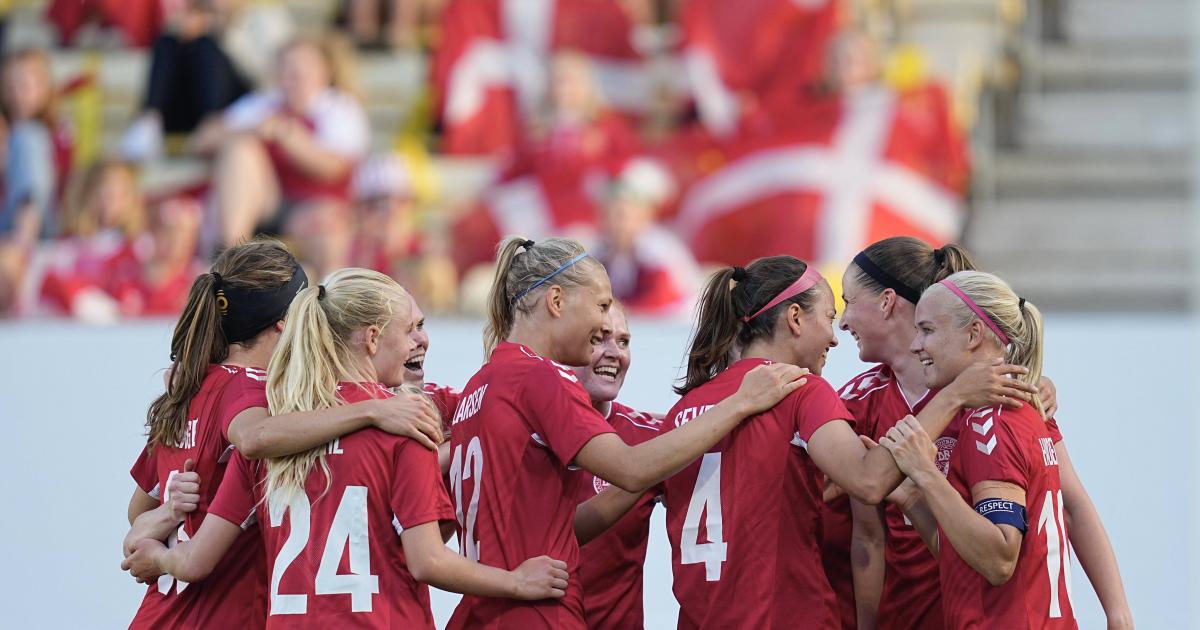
x=247 y=312
x=886 y=279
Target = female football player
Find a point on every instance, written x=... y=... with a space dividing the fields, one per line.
x=880 y=289
x=997 y=523
x=744 y=520
x=524 y=419
x=345 y=341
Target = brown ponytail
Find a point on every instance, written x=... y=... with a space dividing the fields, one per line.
x=731 y=294
x=522 y=268
x=912 y=262
x=199 y=341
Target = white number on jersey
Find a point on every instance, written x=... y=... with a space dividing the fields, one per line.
x=706 y=499
x=165 y=580
x=463 y=469
x=349 y=529
x=1058 y=549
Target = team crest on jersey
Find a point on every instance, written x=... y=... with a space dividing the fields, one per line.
x=599 y=484
x=945 y=448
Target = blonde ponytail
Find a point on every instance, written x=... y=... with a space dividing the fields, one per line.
x=523 y=269
x=1017 y=318
x=313 y=356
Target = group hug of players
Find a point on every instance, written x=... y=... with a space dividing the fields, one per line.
x=300 y=472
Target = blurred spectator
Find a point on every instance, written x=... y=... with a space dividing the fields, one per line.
x=129 y=22
x=190 y=78
x=651 y=270
x=285 y=156
x=389 y=239
x=39 y=147
x=116 y=260
x=556 y=183
x=388 y=23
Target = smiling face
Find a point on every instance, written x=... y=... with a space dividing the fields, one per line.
x=941 y=345
x=583 y=316
x=605 y=374
x=389 y=348
x=816 y=332
x=862 y=317
x=414 y=368
x=303 y=73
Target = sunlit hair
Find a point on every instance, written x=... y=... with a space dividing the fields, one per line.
x=199 y=341
x=1021 y=323
x=341 y=60
x=719 y=329
x=518 y=268
x=314 y=354
x=913 y=262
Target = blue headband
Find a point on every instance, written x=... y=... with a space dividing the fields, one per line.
x=549 y=277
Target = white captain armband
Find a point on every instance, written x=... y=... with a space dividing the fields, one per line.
x=1004 y=512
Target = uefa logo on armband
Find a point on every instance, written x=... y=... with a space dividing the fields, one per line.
x=945 y=446
x=599 y=484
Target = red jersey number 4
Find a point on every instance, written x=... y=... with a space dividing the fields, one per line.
x=705 y=504
x=349 y=529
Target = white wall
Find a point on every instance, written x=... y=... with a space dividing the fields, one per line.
x=73 y=399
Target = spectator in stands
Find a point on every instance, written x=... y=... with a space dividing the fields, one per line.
x=391 y=24
x=116 y=258
x=190 y=77
x=107 y=22
x=285 y=155
x=390 y=239
x=651 y=270
x=39 y=148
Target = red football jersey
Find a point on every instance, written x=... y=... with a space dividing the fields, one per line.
x=911 y=597
x=745 y=519
x=1013 y=446
x=445 y=399
x=520 y=423
x=234 y=595
x=611 y=565
x=335 y=557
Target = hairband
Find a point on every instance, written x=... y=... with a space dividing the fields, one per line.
x=876 y=273
x=806 y=281
x=247 y=312
x=1021 y=304
x=988 y=321
x=739 y=274
x=939 y=255
x=539 y=283
x=320 y=292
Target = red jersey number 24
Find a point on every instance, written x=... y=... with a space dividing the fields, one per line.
x=349 y=529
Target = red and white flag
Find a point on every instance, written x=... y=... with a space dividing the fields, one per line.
x=841 y=176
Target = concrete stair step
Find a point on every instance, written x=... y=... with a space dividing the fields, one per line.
x=1147 y=120
x=1078 y=227
x=1124 y=21
x=1099 y=67
x=1065 y=174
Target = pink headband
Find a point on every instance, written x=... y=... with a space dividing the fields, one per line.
x=978 y=311
x=806 y=281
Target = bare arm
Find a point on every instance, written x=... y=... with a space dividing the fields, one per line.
x=430 y=561
x=300 y=147
x=597 y=514
x=867 y=542
x=257 y=434
x=869 y=475
x=212 y=133
x=1092 y=544
x=190 y=561
x=139 y=504
x=988 y=548
x=636 y=468
x=908 y=498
